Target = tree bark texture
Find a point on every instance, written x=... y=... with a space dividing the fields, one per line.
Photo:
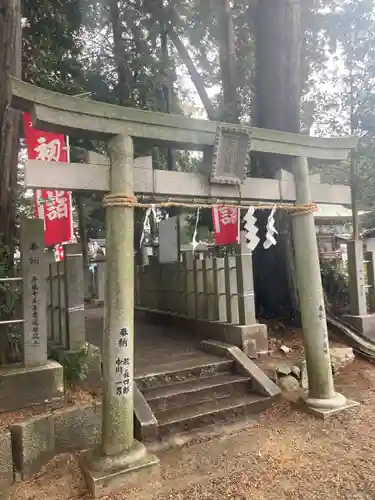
x=278 y=38
x=227 y=54
x=123 y=86
x=277 y=107
x=10 y=65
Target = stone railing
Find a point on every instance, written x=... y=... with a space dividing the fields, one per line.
x=210 y=295
x=65 y=299
x=207 y=289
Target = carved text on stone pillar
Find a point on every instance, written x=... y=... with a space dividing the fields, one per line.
x=34 y=259
x=231 y=151
x=123 y=375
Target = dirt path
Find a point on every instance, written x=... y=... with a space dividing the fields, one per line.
x=289 y=455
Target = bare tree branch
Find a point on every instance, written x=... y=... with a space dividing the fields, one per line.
x=193 y=72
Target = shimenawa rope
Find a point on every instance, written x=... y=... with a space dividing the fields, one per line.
x=122 y=200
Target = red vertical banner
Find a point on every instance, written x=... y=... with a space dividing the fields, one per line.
x=226 y=225
x=59 y=253
x=55 y=206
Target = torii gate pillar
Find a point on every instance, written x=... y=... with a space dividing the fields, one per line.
x=113 y=464
x=322 y=400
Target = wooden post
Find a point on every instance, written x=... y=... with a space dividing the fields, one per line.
x=33 y=265
x=74 y=296
x=245 y=284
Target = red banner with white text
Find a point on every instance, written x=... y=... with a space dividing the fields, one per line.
x=226 y=225
x=55 y=206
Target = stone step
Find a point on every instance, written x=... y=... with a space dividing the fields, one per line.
x=182 y=370
x=196 y=391
x=211 y=412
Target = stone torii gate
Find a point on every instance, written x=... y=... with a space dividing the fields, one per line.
x=120 y=456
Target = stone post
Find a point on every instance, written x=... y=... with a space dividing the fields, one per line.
x=101 y=280
x=33 y=266
x=360 y=318
x=245 y=283
x=371 y=280
x=118 y=454
x=74 y=296
x=118 y=344
x=357 y=292
x=88 y=284
x=321 y=395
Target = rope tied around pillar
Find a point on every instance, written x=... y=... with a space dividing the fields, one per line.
x=119 y=200
x=122 y=200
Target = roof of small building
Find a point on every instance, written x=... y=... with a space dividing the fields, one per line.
x=328 y=211
x=368 y=233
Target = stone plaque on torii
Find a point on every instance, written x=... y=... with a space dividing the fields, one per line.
x=123 y=177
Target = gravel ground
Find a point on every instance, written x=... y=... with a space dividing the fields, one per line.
x=289 y=455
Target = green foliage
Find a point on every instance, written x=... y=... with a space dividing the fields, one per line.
x=342 y=97
x=70 y=46
x=75 y=365
x=51 y=45
x=336 y=288
x=10 y=297
x=10 y=308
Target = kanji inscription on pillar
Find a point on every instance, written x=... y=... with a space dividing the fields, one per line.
x=34 y=292
x=231 y=151
x=123 y=364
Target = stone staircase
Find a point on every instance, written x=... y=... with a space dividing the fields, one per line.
x=198 y=391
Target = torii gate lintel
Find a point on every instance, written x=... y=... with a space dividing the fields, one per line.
x=79 y=117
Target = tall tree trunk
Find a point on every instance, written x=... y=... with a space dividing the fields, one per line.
x=278 y=89
x=227 y=53
x=10 y=65
x=123 y=74
x=167 y=84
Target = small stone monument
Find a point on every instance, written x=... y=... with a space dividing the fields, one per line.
x=38 y=381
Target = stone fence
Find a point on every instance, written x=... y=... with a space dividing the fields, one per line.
x=210 y=288
x=52 y=316
x=65 y=299
x=212 y=294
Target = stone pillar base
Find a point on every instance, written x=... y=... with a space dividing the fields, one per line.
x=364 y=323
x=22 y=387
x=325 y=408
x=106 y=475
